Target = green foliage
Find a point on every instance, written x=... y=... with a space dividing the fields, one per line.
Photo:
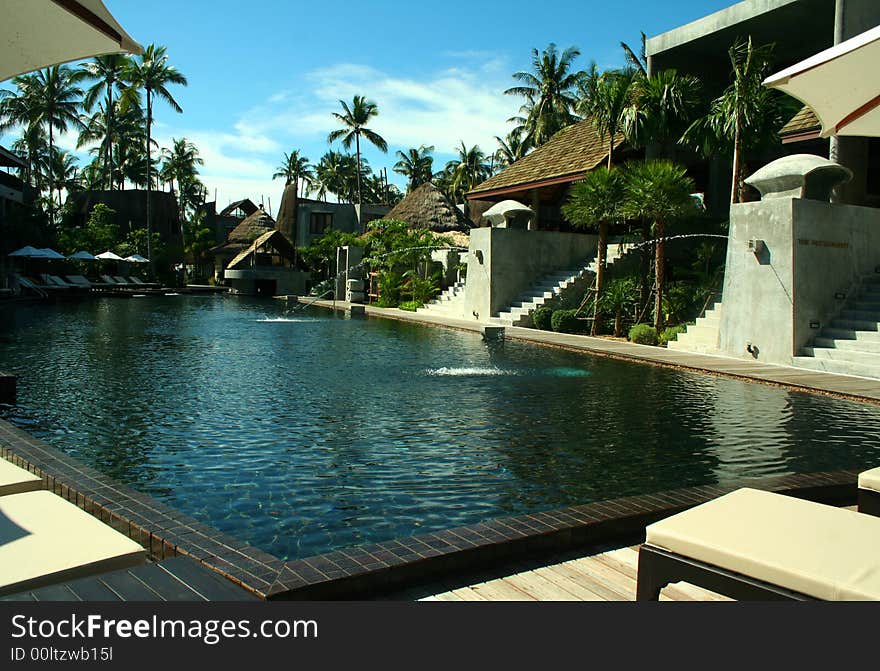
x=101 y=233
x=565 y=321
x=595 y=199
x=678 y=302
x=671 y=333
x=643 y=334
x=410 y=306
x=422 y=289
x=541 y=318
x=390 y=286
x=320 y=256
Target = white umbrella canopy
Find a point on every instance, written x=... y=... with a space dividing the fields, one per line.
x=136 y=258
x=109 y=256
x=83 y=256
x=506 y=210
x=38 y=33
x=840 y=84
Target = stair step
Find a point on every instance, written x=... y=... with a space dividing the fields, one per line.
x=851 y=345
x=860 y=315
x=855 y=325
x=855 y=356
x=835 y=366
x=850 y=334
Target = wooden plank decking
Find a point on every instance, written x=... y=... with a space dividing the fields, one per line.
x=608 y=576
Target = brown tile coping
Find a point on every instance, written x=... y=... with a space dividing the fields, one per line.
x=381 y=568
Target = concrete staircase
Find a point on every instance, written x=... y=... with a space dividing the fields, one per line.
x=450 y=303
x=550 y=288
x=702 y=336
x=851 y=343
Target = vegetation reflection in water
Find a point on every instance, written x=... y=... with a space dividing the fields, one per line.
x=307 y=433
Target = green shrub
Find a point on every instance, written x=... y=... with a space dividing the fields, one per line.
x=671 y=333
x=564 y=321
x=386 y=302
x=411 y=306
x=541 y=318
x=643 y=334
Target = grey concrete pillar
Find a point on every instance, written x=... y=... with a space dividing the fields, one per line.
x=536 y=208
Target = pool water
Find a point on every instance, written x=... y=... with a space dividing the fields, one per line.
x=304 y=432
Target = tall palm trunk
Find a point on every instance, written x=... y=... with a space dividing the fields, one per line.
x=109 y=149
x=610 y=150
x=51 y=153
x=357 y=139
x=644 y=289
x=149 y=184
x=600 y=274
x=658 y=277
x=737 y=150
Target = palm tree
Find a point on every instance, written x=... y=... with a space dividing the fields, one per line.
x=151 y=72
x=659 y=192
x=549 y=92
x=61 y=170
x=33 y=144
x=468 y=170
x=354 y=123
x=107 y=72
x=337 y=173
x=637 y=61
x=595 y=203
x=746 y=116
x=608 y=97
x=516 y=145
x=661 y=108
x=619 y=296
x=180 y=162
x=295 y=168
x=416 y=165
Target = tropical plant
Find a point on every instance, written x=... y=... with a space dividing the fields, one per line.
x=595 y=203
x=549 y=93
x=354 y=124
x=658 y=192
x=151 y=72
x=466 y=171
x=670 y=333
x=620 y=296
x=747 y=116
x=604 y=100
x=637 y=61
x=512 y=148
x=661 y=108
x=565 y=321
x=416 y=165
x=295 y=169
x=337 y=173
x=541 y=318
x=61 y=171
x=107 y=73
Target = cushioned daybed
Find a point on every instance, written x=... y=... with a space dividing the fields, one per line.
x=15 y=480
x=752 y=544
x=869 y=492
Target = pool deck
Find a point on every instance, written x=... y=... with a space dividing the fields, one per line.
x=800 y=379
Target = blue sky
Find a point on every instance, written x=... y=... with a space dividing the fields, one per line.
x=265 y=75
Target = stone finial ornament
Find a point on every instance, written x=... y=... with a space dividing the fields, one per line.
x=799 y=176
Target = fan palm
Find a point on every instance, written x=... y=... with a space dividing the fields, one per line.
x=658 y=192
x=595 y=203
x=354 y=122
x=416 y=165
x=549 y=92
x=295 y=169
x=107 y=73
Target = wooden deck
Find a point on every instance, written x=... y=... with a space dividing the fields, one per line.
x=608 y=576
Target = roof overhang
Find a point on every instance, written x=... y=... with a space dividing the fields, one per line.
x=526 y=186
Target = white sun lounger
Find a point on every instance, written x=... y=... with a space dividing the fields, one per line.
x=752 y=544
x=15 y=480
x=46 y=540
x=869 y=492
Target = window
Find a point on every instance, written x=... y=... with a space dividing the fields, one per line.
x=320 y=222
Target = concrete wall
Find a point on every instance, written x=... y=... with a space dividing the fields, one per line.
x=814 y=250
x=503 y=262
x=288 y=282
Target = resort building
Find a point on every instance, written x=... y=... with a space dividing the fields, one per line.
x=304 y=220
x=130 y=206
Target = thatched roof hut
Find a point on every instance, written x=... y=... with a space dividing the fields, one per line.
x=270 y=242
x=251 y=228
x=426 y=206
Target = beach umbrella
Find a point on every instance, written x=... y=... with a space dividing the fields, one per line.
x=840 y=84
x=109 y=256
x=136 y=258
x=25 y=252
x=83 y=256
x=35 y=34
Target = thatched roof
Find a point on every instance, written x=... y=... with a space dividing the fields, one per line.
x=803 y=125
x=252 y=227
x=426 y=206
x=247 y=206
x=566 y=156
x=274 y=239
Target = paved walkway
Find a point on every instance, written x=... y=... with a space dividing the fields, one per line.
x=848 y=386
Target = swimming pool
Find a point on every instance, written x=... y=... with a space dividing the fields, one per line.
x=301 y=433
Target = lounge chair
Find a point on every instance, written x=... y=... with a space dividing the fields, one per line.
x=121 y=280
x=109 y=281
x=139 y=282
x=80 y=281
x=869 y=492
x=15 y=480
x=752 y=544
x=55 y=541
